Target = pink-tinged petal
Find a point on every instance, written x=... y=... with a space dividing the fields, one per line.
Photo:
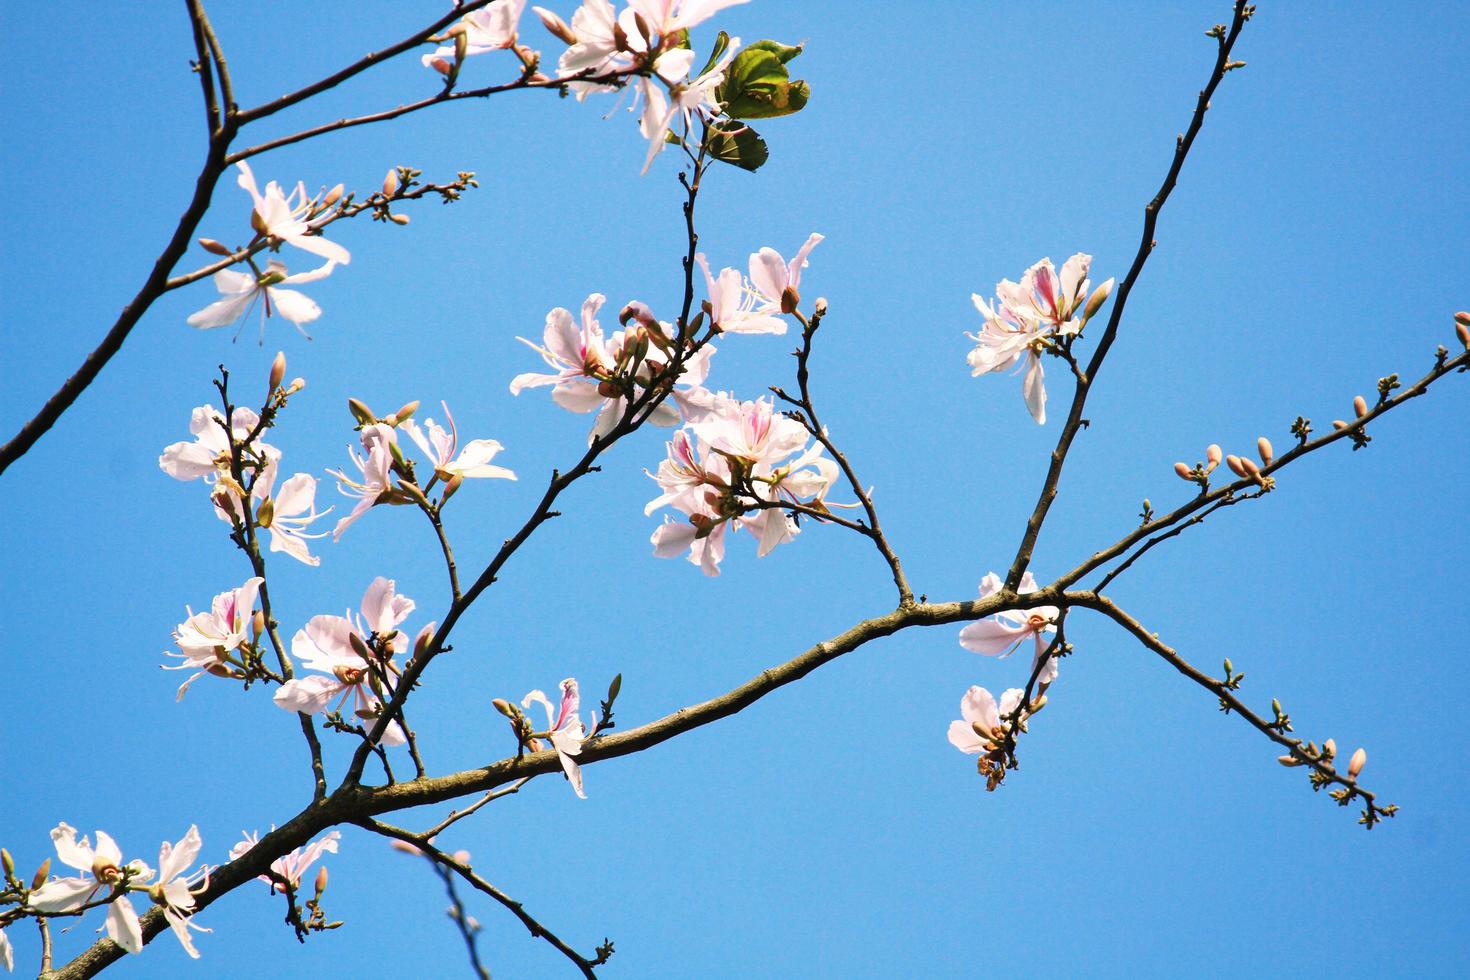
x=562 y=337
x=308 y=695
x=222 y=312
x=607 y=419
x=531 y=379
x=673 y=538
x=1048 y=674
x=296 y=307
x=393 y=734
x=7 y=956
x=187 y=461
x=538 y=696
x=774 y=531
x=474 y=461
x=962 y=736
x=246 y=180
x=1010 y=700
x=174 y=860
x=285 y=541
x=314 y=850
x=122 y=925
x=62 y=894
x=420 y=440
x=590 y=306
x=768 y=273
x=362 y=508
x=571 y=702
x=107 y=851
x=800 y=261
x=317 y=245
x=1043 y=280
x=1034 y=389
x=710 y=551
x=978 y=708
x=320 y=272
x=1074 y=276
x=693 y=12
x=990 y=585
x=569 y=766
x=324 y=642
x=991 y=637
x=383 y=608
x=180 y=927
x=578 y=396
x=297 y=496
x=666 y=415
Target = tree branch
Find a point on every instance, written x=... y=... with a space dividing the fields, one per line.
x=1085 y=380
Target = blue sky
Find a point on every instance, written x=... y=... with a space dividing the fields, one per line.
x=830 y=830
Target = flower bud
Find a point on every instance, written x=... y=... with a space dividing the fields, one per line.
x=333 y=196
x=462 y=856
x=257 y=622
x=1356 y=763
x=278 y=371
x=441 y=66
x=1236 y=465
x=361 y=412
x=359 y=645
x=321 y=880
x=390 y=183
x=1097 y=299
x=1289 y=761
x=413 y=491
x=398 y=219
x=451 y=487
x=556 y=25
x=1339 y=424
x=1250 y=467
x=406 y=412
x=504 y=707
x=422 y=641
x=404 y=846
x=1462 y=318
x=790 y=298
x=1183 y=472
x=41 y=875
x=1263 y=446
x=7 y=862
x=1329 y=749
x=1463 y=332
x=820 y=308
x=1213 y=455
x=1360 y=405
x=210 y=245
x=296 y=385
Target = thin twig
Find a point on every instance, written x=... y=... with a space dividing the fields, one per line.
x=818 y=431
x=204 y=66
x=1353 y=430
x=536 y=929
x=1075 y=420
x=1373 y=812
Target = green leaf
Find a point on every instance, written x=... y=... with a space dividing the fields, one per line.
x=721 y=43
x=736 y=144
x=757 y=85
x=783 y=51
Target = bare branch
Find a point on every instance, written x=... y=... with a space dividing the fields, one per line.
x=1075 y=420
